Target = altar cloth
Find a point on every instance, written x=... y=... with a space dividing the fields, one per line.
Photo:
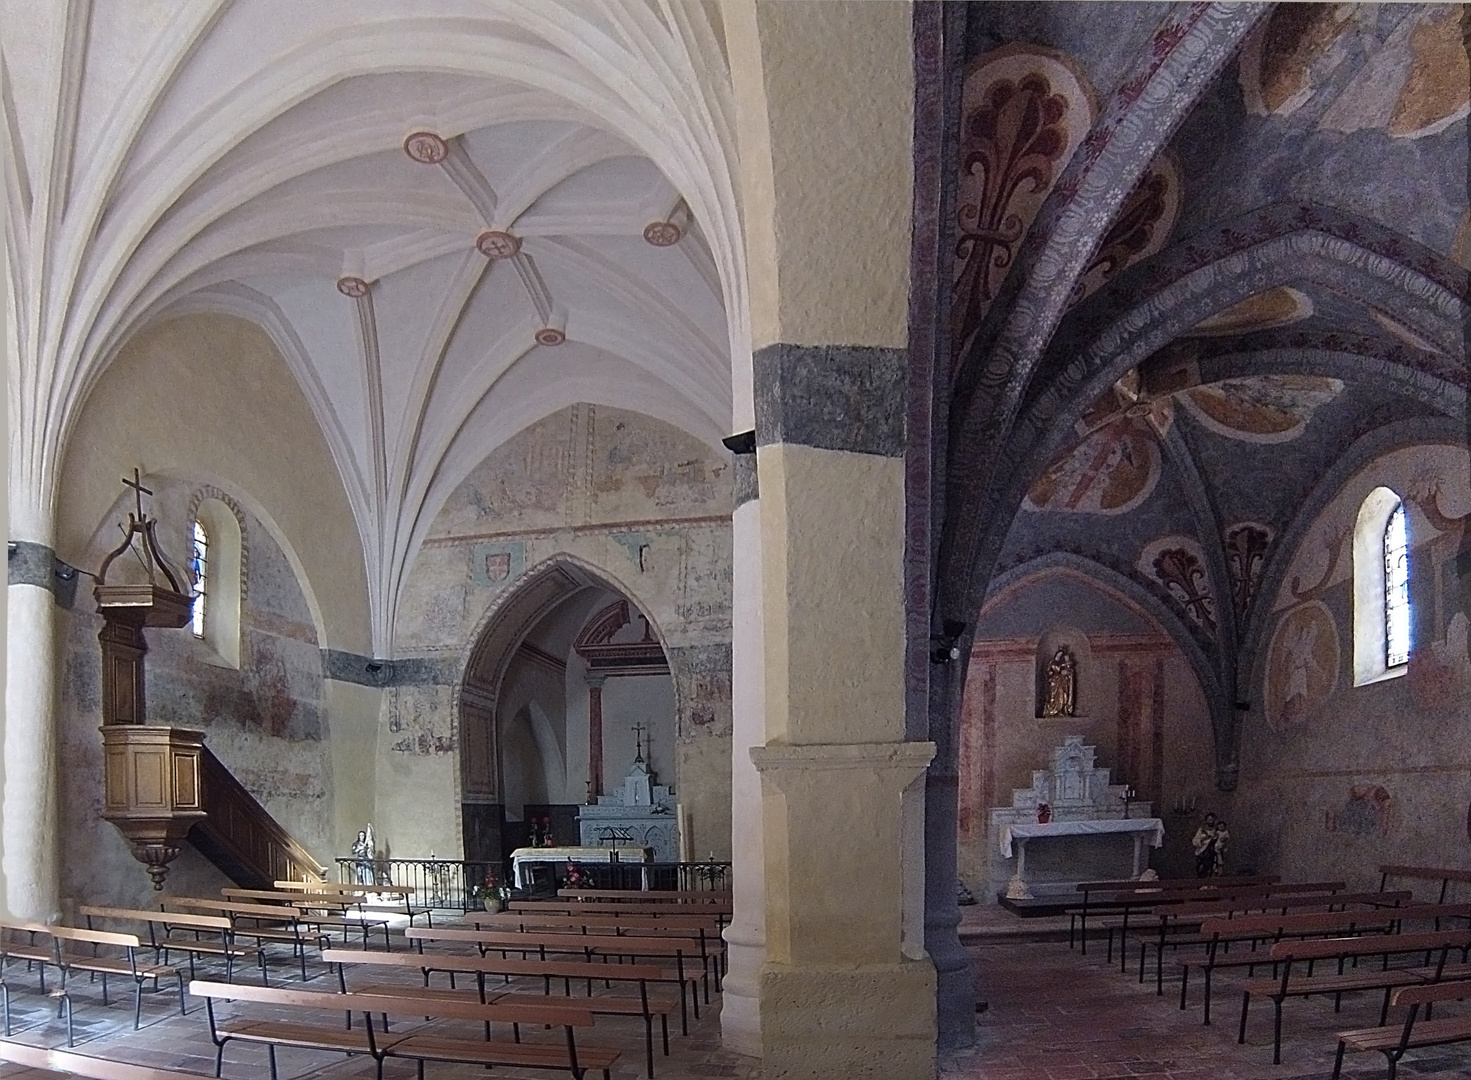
x=1026 y=831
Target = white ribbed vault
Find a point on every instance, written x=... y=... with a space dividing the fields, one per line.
x=255 y=158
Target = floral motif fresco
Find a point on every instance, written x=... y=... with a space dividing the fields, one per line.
x=1023 y=113
x=1262 y=408
x=1177 y=564
x=1142 y=227
x=1302 y=665
x=1246 y=554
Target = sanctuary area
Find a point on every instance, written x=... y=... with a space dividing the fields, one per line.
x=783 y=500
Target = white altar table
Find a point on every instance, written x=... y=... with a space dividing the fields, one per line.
x=1016 y=836
x=521 y=858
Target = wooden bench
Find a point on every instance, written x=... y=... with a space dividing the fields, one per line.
x=262 y=922
x=224 y=948
x=486 y=941
x=1183 y=925
x=320 y=910
x=1289 y=953
x=367 y=892
x=646 y=1006
x=1078 y=916
x=1415 y=1033
x=1443 y=875
x=1134 y=902
x=701 y=930
x=1252 y=930
x=63 y=955
x=666 y=896
x=419 y=1045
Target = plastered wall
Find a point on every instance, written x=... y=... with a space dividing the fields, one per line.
x=633 y=505
x=1336 y=779
x=1138 y=701
x=267 y=720
x=210 y=397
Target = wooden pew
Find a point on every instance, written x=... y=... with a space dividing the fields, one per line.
x=1078 y=917
x=97 y=1068
x=652 y=896
x=219 y=925
x=419 y=1045
x=1182 y=925
x=1443 y=875
x=64 y=957
x=584 y=946
x=1290 y=953
x=1415 y=1033
x=312 y=906
x=701 y=932
x=403 y=892
x=263 y=922
x=646 y=1006
x=1133 y=902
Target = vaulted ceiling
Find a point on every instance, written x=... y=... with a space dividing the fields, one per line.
x=453 y=219
x=1280 y=297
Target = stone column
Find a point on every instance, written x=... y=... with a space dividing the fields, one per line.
x=845 y=992
x=740 y=1014
x=29 y=813
x=595 y=734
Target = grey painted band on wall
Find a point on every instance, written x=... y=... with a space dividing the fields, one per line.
x=351 y=667
x=29 y=563
x=833 y=397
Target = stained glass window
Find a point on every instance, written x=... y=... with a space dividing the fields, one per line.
x=1396 y=589
x=200 y=567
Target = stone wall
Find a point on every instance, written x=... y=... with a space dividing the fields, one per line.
x=632 y=505
x=1138 y=702
x=265 y=720
x=1335 y=778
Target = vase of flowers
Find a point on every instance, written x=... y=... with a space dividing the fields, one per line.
x=491 y=893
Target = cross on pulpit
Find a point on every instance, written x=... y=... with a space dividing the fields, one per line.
x=138 y=490
x=638 y=735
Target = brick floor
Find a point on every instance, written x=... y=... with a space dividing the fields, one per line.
x=1053 y=1014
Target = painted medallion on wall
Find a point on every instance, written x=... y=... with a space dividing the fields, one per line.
x=1262 y=408
x=1302 y=666
x=1024 y=110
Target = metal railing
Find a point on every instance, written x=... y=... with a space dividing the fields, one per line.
x=449 y=883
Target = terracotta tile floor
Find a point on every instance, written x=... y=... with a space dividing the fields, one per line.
x=1053 y=1015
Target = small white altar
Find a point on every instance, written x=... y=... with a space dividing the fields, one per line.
x=1095 y=829
x=522 y=859
x=640 y=813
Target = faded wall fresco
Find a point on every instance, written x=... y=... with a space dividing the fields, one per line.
x=1335 y=778
x=1137 y=701
x=266 y=720
x=633 y=503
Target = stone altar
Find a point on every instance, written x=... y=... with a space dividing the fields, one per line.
x=1096 y=831
x=640 y=813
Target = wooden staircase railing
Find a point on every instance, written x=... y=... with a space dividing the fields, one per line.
x=239 y=835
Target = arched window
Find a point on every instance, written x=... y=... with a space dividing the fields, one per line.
x=1396 y=590
x=199 y=565
x=1382 y=622
x=217 y=565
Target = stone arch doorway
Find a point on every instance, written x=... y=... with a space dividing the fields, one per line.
x=559 y=674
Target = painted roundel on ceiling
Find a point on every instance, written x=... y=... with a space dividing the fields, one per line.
x=1263 y=408
x=1111 y=471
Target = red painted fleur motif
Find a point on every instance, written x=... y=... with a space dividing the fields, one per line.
x=1013 y=142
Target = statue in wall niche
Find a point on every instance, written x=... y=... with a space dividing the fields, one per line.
x=1062 y=681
